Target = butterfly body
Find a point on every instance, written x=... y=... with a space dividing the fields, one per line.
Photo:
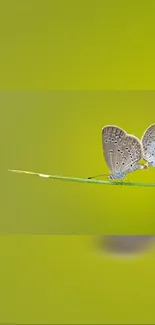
x=121 y=175
x=118 y=175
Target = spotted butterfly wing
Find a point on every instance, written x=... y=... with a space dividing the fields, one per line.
x=122 y=151
x=148 y=144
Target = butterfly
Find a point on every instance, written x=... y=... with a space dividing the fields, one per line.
x=122 y=152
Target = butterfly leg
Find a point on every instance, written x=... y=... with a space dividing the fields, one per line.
x=127 y=179
x=121 y=181
x=146 y=165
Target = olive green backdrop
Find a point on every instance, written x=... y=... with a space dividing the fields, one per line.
x=59 y=132
x=60 y=66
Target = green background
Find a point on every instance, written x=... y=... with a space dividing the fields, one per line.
x=59 y=132
x=57 y=58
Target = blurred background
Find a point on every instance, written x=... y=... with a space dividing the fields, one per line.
x=59 y=132
x=67 y=69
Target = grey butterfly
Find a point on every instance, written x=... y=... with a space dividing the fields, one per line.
x=148 y=144
x=122 y=152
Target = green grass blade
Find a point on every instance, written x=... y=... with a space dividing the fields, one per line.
x=82 y=180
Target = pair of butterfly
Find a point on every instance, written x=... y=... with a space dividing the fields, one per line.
x=123 y=151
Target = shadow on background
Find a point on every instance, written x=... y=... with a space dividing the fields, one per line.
x=125 y=245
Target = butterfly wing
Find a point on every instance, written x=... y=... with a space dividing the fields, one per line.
x=131 y=154
x=122 y=151
x=112 y=139
x=148 y=143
